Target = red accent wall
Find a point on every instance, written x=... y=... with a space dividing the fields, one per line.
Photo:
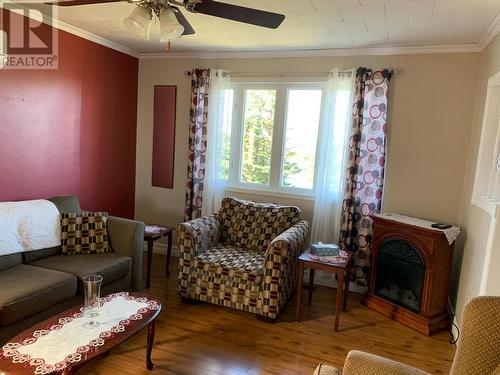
x=71 y=130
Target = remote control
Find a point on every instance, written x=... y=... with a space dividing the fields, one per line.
x=440 y=226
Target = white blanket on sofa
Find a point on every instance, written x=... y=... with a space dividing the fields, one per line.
x=28 y=225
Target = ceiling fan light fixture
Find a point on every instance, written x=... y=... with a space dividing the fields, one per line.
x=139 y=21
x=170 y=28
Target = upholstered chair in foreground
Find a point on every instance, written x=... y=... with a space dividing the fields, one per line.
x=244 y=257
x=478 y=350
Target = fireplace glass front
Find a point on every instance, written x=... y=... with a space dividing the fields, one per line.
x=400 y=274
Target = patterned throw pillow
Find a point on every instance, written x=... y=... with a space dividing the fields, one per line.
x=84 y=233
x=254 y=225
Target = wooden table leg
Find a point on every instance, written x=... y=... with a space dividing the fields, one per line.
x=347 y=281
x=338 y=300
x=149 y=348
x=311 y=285
x=169 y=253
x=300 y=274
x=150 y=259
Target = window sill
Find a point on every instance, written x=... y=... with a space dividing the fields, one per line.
x=269 y=193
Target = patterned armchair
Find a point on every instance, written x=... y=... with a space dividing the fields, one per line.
x=478 y=350
x=244 y=257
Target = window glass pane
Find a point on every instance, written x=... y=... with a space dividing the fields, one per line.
x=227 y=119
x=258 y=136
x=301 y=134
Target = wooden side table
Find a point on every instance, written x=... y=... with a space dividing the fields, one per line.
x=343 y=271
x=151 y=234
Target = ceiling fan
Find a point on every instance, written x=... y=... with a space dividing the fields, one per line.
x=173 y=24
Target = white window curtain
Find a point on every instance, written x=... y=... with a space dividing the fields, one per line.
x=218 y=126
x=331 y=156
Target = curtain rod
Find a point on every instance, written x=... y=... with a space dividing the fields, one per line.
x=286 y=74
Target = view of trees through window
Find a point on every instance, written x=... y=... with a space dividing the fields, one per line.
x=258 y=124
x=301 y=135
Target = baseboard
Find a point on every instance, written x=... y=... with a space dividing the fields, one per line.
x=161 y=248
x=327 y=279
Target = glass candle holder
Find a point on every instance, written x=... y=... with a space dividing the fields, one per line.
x=92 y=306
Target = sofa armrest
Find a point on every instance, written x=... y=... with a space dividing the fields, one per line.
x=281 y=266
x=193 y=238
x=361 y=363
x=127 y=238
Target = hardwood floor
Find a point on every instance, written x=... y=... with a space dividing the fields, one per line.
x=210 y=340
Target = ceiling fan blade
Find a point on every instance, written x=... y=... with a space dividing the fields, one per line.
x=80 y=2
x=238 y=13
x=188 y=29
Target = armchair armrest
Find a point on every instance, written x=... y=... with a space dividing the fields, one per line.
x=361 y=363
x=194 y=237
x=198 y=235
x=127 y=238
x=280 y=267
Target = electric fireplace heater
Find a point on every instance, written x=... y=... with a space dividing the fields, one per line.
x=410 y=274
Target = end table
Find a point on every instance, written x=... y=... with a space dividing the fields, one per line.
x=343 y=271
x=151 y=234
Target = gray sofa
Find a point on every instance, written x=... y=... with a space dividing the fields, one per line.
x=37 y=284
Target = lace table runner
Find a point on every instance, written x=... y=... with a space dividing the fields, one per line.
x=64 y=342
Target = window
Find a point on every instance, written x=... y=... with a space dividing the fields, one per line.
x=486 y=193
x=301 y=135
x=274 y=136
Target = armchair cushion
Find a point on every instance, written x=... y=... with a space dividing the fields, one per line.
x=232 y=261
x=254 y=225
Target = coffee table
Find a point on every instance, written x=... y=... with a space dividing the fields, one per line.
x=62 y=344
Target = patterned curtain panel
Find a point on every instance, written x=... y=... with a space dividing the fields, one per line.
x=365 y=167
x=197 y=143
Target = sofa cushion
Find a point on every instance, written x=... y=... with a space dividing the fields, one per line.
x=27 y=290
x=31 y=256
x=67 y=203
x=232 y=261
x=110 y=266
x=84 y=233
x=10 y=260
x=254 y=225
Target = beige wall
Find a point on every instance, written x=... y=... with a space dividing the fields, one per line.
x=429 y=124
x=472 y=218
x=430 y=115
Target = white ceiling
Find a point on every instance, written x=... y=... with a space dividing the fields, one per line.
x=309 y=24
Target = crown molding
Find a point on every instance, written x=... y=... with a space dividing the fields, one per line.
x=95 y=38
x=410 y=50
x=63 y=26
x=491 y=33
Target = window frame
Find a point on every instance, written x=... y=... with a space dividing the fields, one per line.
x=282 y=89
